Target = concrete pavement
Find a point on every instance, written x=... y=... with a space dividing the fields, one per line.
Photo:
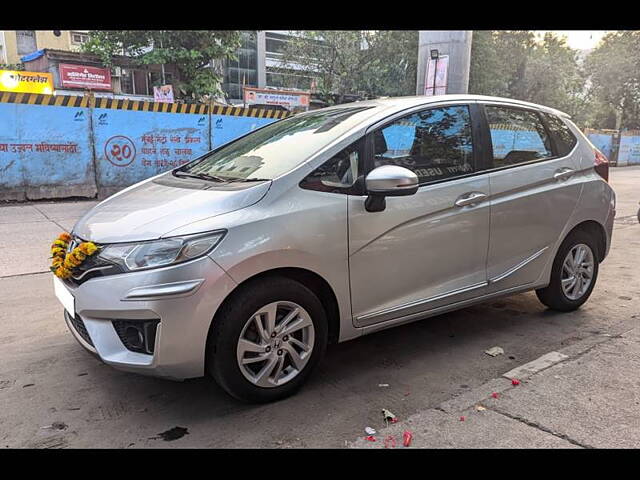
x=56 y=395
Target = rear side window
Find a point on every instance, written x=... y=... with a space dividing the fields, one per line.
x=435 y=144
x=564 y=138
x=517 y=136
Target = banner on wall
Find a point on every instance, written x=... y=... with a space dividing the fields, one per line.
x=163 y=94
x=437 y=69
x=289 y=99
x=81 y=76
x=26 y=82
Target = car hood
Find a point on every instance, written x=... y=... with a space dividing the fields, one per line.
x=157 y=206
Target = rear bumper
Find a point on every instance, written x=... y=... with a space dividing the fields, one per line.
x=608 y=225
x=183 y=298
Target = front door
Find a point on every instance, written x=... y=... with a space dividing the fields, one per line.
x=429 y=249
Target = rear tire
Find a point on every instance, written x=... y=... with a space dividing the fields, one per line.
x=244 y=341
x=572 y=282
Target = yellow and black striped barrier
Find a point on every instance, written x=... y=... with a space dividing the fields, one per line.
x=138 y=105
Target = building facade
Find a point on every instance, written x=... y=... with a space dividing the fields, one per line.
x=74 y=73
x=259 y=64
x=15 y=44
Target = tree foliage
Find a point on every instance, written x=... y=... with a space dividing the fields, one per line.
x=614 y=85
x=515 y=64
x=347 y=62
x=191 y=51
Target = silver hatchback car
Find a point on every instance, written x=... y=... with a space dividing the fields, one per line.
x=333 y=224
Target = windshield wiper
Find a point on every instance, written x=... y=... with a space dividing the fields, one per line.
x=254 y=180
x=202 y=176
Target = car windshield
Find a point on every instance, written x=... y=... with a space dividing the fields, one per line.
x=277 y=148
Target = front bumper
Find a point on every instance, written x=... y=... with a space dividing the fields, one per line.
x=182 y=297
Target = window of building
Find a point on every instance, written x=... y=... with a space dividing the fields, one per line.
x=126 y=81
x=244 y=69
x=155 y=80
x=339 y=174
x=435 y=144
x=564 y=138
x=517 y=136
x=26 y=41
x=78 y=38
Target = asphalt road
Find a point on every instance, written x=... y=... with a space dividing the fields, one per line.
x=56 y=395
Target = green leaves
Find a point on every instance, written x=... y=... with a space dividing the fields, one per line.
x=513 y=64
x=369 y=63
x=191 y=51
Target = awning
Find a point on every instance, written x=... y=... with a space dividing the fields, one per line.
x=33 y=56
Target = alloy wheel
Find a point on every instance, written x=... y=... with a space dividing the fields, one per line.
x=577 y=271
x=275 y=344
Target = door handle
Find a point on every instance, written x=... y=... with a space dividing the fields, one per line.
x=563 y=173
x=470 y=199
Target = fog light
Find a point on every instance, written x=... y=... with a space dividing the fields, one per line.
x=137 y=335
x=134 y=336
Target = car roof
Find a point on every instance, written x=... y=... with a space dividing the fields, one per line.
x=389 y=104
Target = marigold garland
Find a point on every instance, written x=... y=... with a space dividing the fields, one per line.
x=63 y=262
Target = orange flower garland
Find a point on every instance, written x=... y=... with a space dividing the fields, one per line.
x=63 y=263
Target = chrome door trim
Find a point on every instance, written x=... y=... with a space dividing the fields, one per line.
x=517 y=267
x=394 y=312
x=417 y=108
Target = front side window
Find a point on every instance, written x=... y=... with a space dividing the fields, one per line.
x=435 y=144
x=279 y=147
x=517 y=136
x=338 y=174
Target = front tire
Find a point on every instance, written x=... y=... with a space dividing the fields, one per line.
x=573 y=274
x=267 y=339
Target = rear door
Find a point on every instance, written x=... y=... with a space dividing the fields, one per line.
x=534 y=190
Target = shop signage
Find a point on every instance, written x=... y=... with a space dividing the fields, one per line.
x=83 y=77
x=26 y=82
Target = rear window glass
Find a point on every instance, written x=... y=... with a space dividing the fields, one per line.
x=565 y=140
x=517 y=136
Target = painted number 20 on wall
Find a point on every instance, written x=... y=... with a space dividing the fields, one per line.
x=120 y=150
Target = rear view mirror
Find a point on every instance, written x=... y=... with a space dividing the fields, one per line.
x=388 y=181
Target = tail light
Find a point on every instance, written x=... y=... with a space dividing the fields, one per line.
x=601 y=165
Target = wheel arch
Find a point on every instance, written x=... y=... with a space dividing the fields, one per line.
x=314 y=282
x=597 y=231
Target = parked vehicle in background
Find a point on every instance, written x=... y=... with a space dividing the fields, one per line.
x=336 y=223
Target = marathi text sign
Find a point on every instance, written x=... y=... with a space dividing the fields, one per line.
x=80 y=76
x=26 y=82
x=290 y=100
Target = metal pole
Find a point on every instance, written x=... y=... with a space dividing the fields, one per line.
x=164 y=82
x=435 y=71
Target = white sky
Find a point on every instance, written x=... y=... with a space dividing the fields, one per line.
x=579 y=39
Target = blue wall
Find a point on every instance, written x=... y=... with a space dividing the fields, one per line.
x=51 y=151
x=629 y=153
x=43 y=149
x=132 y=146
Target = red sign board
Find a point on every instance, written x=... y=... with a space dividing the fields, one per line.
x=80 y=76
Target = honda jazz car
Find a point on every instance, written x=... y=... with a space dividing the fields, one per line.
x=334 y=223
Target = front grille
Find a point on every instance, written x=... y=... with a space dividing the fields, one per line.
x=79 y=327
x=92 y=266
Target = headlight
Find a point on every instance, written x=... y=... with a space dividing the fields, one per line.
x=160 y=253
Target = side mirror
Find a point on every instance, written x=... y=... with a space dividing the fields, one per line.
x=388 y=181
